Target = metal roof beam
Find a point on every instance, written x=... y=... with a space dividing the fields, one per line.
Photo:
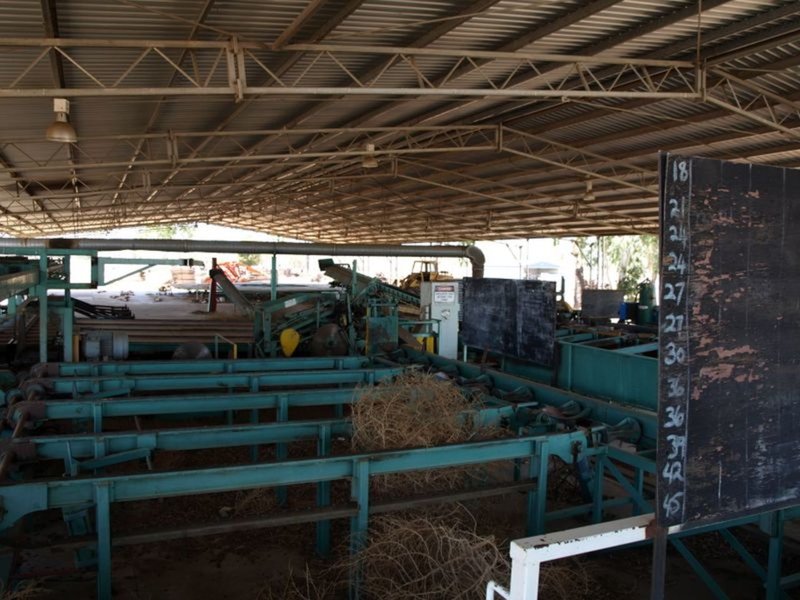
x=424 y=40
x=298 y=23
x=574 y=16
x=682 y=46
x=224 y=120
x=154 y=115
x=50 y=20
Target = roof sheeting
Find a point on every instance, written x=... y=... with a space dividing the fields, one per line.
x=200 y=117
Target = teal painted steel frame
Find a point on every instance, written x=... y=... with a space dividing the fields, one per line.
x=21 y=499
x=98 y=409
x=621 y=374
x=107 y=446
x=598 y=410
x=771 y=523
x=253 y=381
x=207 y=366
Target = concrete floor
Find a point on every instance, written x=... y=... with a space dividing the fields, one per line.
x=146 y=304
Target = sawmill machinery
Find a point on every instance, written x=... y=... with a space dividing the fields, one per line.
x=49 y=269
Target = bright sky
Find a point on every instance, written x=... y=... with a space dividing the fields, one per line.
x=504 y=258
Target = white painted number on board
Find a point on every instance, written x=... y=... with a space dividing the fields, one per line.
x=678 y=446
x=675 y=390
x=675 y=417
x=680 y=171
x=673 y=504
x=674 y=291
x=673 y=323
x=675 y=354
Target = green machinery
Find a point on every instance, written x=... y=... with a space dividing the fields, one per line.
x=22 y=279
x=44 y=265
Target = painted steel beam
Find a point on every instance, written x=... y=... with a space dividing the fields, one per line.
x=181 y=404
x=751 y=101
x=211 y=382
x=155 y=367
x=99 y=164
x=325 y=91
x=364 y=49
x=24 y=498
x=652 y=76
x=187 y=136
x=76 y=446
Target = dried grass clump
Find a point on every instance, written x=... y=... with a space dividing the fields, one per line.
x=565 y=580
x=436 y=554
x=303 y=587
x=415 y=410
x=27 y=590
x=409 y=557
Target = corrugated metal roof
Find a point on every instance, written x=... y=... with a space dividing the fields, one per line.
x=525 y=173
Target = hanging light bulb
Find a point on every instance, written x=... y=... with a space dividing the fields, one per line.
x=588 y=195
x=369 y=161
x=61 y=130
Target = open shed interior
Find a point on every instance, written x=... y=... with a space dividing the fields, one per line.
x=369 y=437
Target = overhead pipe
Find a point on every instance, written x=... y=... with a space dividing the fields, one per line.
x=473 y=253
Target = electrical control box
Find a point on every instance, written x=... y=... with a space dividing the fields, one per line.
x=439 y=301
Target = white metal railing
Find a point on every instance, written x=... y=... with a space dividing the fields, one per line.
x=528 y=554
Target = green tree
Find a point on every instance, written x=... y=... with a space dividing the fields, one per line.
x=250 y=260
x=631 y=258
x=169 y=232
x=634 y=257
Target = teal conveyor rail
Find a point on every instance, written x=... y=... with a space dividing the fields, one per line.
x=166 y=367
x=113 y=448
x=608 y=366
x=98 y=410
x=596 y=409
x=252 y=381
x=29 y=497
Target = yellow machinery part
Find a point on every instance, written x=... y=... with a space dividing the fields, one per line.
x=289 y=341
x=428 y=343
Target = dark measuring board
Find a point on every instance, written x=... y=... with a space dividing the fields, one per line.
x=509 y=316
x=536 y=320
x=489 y=314
x=729 y=384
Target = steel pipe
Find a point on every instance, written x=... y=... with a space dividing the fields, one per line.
x=473 y=253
